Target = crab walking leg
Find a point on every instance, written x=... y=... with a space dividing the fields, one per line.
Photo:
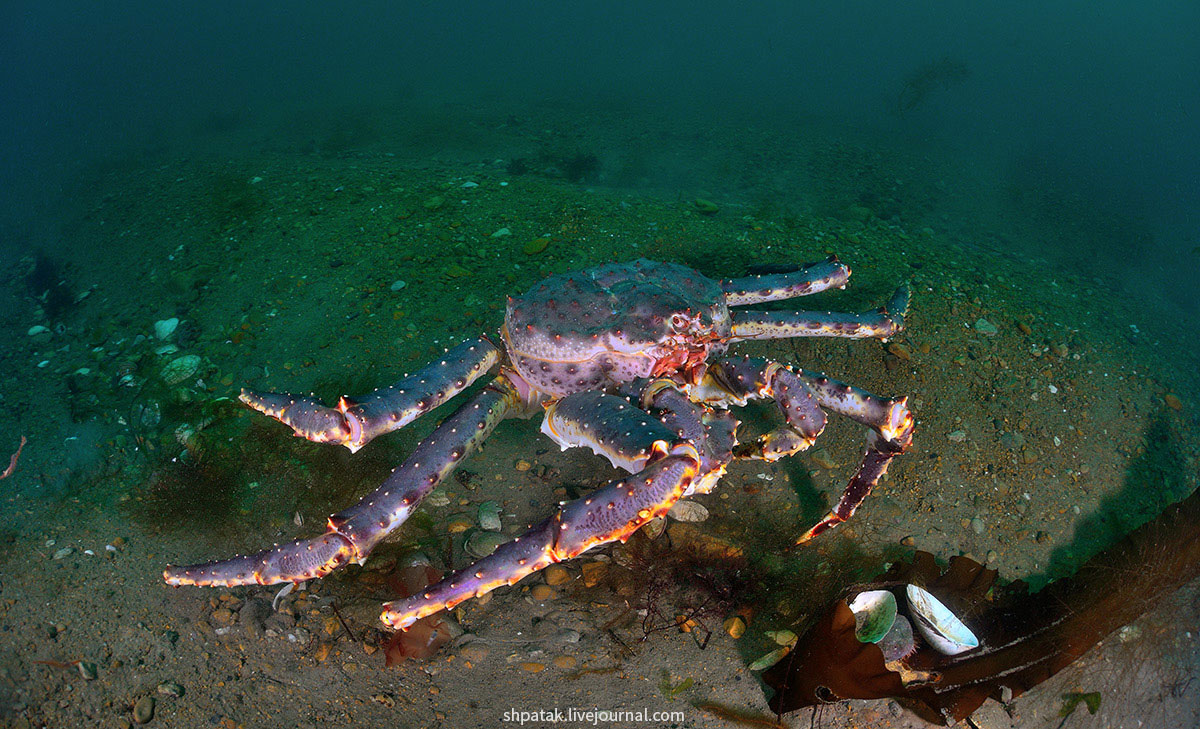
x=883 y=323
x=612 y=513
x=828 y=274
x=355 y=422
x=891 y=431
x=736 y=380
x=352 y=533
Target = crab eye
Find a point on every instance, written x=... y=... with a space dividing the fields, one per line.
x=679 y=322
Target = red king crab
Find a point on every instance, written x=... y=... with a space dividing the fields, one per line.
x=626 y=359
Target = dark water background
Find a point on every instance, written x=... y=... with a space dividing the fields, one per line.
x=1098 y=101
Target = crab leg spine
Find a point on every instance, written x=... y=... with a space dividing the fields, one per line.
x=355 y=422
x=352 y=533
x=815 y=277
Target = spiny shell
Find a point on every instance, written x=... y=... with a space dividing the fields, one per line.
x=898 y=643
x=874 y=613
x=938 y=626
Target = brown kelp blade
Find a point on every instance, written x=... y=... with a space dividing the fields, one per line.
x=1025 y=638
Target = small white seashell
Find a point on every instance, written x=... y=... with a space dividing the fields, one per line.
x=287 y=590
x=937 y=625
x=688 y=511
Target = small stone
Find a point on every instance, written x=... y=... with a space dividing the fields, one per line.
x=1029 y=455
x=564 y=661
x=977 y=525
x=87 y=669
x=170 y=688
x=502 y=233
x=535 y=246
x=594 y=573
x=735 y=626
x=475 y=651
x=533 y=667
x=64 y=553
x=822 y=458
x=541 y=593
x=993 y=556
x=900 y=351
x=1042 y=537
x=223 y=616
x=523 y=465
x=40 y=334
x=459 y=524
x=433 y=203
x=957 y=436
x=1059 y=349
x=1025 y=329
x=705 y=207
x=143 y=710
x=1173 y=401
x=986 y=328
x=923 y=348
x=908 y=541
x=397 y=285
x=557 y=575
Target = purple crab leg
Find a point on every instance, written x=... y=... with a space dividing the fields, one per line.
x=891 y=431
x=686 y=452
x=736 y=380
x=355 y=422
x=883 y=323
x=612 y=513
x=351 y=534
x=828 y=274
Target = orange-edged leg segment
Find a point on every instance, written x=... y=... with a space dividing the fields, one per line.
x=612 y=513
x=353 y=532
x=355 y=422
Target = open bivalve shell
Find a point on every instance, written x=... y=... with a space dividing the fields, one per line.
x=874 y=613
x=938 y=626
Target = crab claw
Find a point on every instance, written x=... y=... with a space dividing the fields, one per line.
x=305 y=415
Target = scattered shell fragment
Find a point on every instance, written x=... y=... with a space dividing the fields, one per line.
x=874 y=614
x=938 y=626
x=87 y=669
x=489 y=516
x=769 y=659
x=692 y=511
x=482 y=543
x=180 y=369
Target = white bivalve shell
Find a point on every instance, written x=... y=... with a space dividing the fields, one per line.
x=938 y=626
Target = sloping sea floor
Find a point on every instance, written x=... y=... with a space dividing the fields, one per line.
x=1056 y=410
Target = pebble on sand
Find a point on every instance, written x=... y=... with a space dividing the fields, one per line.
x=1173 y=401
x=143 y=710
x=556 y=575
